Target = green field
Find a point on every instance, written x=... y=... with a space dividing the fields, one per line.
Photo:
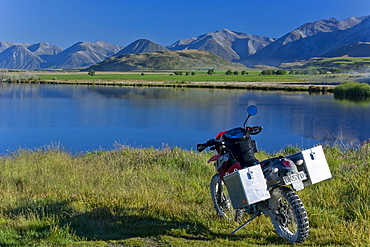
x=150 y=197
x=201 y=76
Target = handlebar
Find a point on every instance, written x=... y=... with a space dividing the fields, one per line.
x=254 y=130
x=215 y=142
x=211 y=142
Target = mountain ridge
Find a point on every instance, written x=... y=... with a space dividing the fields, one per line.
x=313 y=39
x=9 y=58
x=225 y=43
x=310 y=40
x=141 y=46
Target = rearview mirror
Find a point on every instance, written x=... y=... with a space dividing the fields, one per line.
x=252 y=110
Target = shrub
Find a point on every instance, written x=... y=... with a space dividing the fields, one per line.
x=352 y=89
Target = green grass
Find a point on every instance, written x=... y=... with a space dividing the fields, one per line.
x=150 y=197
x=202 y=76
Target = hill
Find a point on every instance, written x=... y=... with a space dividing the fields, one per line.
x=346 y=63
x=170 y=60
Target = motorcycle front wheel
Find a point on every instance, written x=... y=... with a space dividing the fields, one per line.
x=288 y=215
x=221 y=200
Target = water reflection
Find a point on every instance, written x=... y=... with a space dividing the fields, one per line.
x=364 y=101
x=86 y=118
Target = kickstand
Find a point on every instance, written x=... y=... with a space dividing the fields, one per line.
x=256 y=214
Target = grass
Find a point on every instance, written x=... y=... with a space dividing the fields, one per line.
x=352 y=89
x=201 y=76
x=151 y=197
x=251 y=81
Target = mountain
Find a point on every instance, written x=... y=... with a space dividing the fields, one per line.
x=358 y=33
x=182 y=44
x=227 y=44
x=359 y=49
x=82 y=54
x=167 y=60
x=323 y=38
x=141 y=46
x=5 y=45
x=44 y=49
x=19 y=57
x=311 y=40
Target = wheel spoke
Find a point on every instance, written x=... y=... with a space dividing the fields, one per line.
x=289 y=217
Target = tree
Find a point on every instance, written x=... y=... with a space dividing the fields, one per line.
x=91 y=72
x=273 y=72
x=228 y=72
x=236 y=72
x=280 y=72
x=267 y=72
x=211 y=72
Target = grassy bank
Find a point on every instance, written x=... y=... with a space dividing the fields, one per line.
x=150 y=197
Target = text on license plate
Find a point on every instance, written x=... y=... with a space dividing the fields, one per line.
x=295 y=177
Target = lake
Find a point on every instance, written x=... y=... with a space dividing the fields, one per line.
x=89 y=118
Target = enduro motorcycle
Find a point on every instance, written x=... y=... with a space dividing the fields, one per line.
x=245 y=185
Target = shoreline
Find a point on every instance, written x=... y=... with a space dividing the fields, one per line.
x=314 y=87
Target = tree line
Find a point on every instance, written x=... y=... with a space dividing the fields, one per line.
x=263 y=72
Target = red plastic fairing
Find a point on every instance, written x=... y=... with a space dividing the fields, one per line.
x=233 y=168
x=214 y=158
x=218 y=136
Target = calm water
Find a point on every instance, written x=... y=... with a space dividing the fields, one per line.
x=83 y=118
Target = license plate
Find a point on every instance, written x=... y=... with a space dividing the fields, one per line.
x=295 y=177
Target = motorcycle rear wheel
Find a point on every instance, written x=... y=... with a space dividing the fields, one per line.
x=288 y=215
x=221 y=200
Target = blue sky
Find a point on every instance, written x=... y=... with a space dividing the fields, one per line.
x=121 y=22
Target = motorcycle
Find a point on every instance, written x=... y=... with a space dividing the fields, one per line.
x=245 y=185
